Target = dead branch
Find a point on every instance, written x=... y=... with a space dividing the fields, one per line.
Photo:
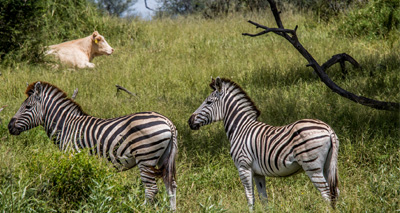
x=291 y=36
x=145 y=4
x=75 y=94
x=341 y=58
x=124 y=89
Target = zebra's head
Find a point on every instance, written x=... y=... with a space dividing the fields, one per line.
x=30 y=114
x=211 y=108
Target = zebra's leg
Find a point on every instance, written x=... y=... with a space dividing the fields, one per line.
x=319 y=181
x=260 y=183
x=246 y=176
x=148 y=176
x=313 y=164
x=171 y=193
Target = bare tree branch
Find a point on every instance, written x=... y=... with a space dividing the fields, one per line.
x=75 y=93
x=145 y=4
x=124 y=89
x=340 y=58
x=318 y=69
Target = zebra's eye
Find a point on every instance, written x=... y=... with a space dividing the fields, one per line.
x=28 y=107
x=209 y=102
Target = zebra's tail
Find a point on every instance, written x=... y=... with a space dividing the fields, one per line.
x=333 y=176
x=169 y=171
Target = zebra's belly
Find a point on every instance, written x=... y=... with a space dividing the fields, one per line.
x=125 y=162
x=282 y=171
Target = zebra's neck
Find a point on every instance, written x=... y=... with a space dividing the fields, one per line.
x=239 y=109
x=58 y=110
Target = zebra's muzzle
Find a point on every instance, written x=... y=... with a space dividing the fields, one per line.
x=192 y=124
x=12 y=129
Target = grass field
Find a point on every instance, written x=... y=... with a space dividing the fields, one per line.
x=168 y=65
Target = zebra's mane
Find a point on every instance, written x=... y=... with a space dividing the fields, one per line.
x=30 y=90
x=230 y=83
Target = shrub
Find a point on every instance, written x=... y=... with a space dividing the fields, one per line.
x=66 y=19
x=376 y=20
x=67 y=180
x=20 y=29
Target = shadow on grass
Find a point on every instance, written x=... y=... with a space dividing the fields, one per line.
x=372 y=67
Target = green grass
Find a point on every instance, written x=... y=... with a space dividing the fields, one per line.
x=169 y=65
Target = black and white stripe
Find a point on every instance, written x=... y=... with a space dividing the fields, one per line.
x=260 y=150
x=145 y=139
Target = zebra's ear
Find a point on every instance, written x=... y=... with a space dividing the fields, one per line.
x=212 y=84
x=37 y=90
x=218 y=84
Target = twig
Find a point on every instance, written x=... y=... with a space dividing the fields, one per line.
x=318 y=69
x=1 y=109
x=124 y=89
x=75 y=94
x=145 y=4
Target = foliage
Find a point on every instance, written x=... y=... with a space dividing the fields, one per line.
x=115 y=7
x=70 y=178
x=20 y=29
x=180 y=6
x=378 y=19
x=214 y=8
x=209 y=8
x=167 y=63
x=65 y=179
x=71 y=19
x=322 y=8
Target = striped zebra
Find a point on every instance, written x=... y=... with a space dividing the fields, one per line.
x=145 y=139
x=260 y=150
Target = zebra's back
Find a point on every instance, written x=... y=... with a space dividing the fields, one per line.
x=281 y=151
x=138 y=138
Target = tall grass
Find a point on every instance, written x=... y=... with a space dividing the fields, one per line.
x=168 y=64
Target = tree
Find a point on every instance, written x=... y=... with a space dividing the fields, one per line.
x=211 y=8
x=115 y=7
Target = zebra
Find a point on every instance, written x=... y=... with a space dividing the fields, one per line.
x=145 y=139
x=260 y=150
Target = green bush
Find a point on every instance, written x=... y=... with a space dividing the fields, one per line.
x=67 y=180
x=20 y=29
x=376 y=20
x=324 y=9
x=66 y=19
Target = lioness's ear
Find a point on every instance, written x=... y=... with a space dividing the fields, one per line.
x=37 y=90
x=218 y=84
